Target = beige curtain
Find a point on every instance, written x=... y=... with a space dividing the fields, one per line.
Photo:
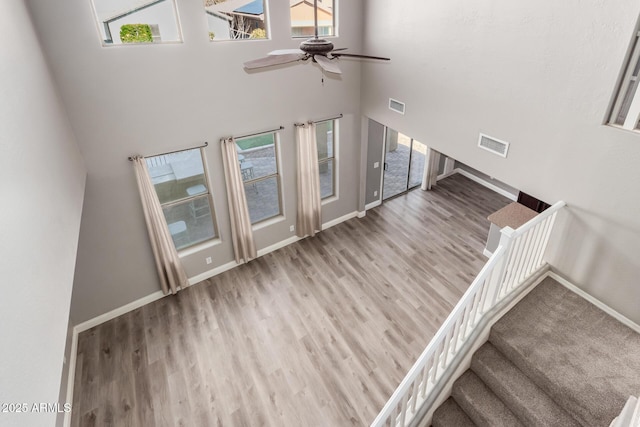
x=170 y=269
x=432 y=163
x=244 y=248
x=309 y=218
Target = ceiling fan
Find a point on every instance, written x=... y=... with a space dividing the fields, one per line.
x=318 y=50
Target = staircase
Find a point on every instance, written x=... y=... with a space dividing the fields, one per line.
x=553 y=360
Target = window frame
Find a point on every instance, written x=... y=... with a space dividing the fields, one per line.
x=103 y=25
x=267 y=26
x=184 y=200
x=334 y=24
x=277 y=175
x=333 y=159
x=627 y=93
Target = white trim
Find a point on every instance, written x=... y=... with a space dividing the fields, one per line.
x=486 y=253
x=71 y=375
x=276 y=246
x=214 y=272
x=373 y=205
x=602 y=306
x=477 y=340
x=487 y=184
x=81 y=327
x=362 y=214
x=339 y=220
x=447 y=175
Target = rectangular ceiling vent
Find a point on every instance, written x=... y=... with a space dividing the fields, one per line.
x=396 y=106
x=494 y=145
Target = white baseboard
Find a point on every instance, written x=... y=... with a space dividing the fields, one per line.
x=446 y=175
x=81 y=327
x=218 y=270
x=487 y=184
x=602 y=306
x=339 y=220
x=486 y=253
x=362 y=214
x=71 y=376
x=373 y=205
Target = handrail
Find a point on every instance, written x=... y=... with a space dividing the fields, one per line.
x=630 y=415
x=519 y=256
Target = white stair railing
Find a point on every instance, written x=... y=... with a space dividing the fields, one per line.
x=520 y=255
x=630 y=415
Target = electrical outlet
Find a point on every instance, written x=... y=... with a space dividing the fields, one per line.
x=292 y=228
x=208 y=260
x=375 y=193
x=376 y=165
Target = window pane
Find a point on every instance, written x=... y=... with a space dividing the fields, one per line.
x=232 y=20
x=324 y=137
x=418 y=155
x=302 y=19
x=178 y=175
x=132 y=21
x=263 y=199
x=190 y=222
x=257 y=156
x=326 y=178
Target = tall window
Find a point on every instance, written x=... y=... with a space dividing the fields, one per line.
x=302 y=19
x=325 y=136
x=236 y=20
x=258 y=163
x=134 y=21
x=182 y=186
x=625 y=111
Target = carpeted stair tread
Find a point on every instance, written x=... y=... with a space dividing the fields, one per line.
x=585 y=360
x=482 y=406
x=527 y=402
x=450 y=414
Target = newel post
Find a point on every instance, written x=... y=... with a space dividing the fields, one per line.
x=502 y=268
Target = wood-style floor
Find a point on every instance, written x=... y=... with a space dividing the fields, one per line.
x=318 y=333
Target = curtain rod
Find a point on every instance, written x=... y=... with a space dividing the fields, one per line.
x=206 y=144
x=339 y=116
x=254 y=134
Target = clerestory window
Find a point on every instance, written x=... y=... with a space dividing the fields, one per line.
x=134 y=22
x=625 y=111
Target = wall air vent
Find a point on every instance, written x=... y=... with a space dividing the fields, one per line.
x=494 y=145
x=396 y=106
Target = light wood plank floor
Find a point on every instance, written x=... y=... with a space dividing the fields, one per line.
x=318 y=333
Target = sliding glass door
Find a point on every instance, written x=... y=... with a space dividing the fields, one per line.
x=403 y=163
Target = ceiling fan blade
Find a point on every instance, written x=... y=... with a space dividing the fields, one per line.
x=268 y=61
x=285 y=52
x=327 y=65
x=339 y=49
x=353 y=55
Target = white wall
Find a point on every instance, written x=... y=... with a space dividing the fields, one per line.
x=539 y=75
x=41 y=188
x=125 y=100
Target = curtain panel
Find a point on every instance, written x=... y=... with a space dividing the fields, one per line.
x=170 y=270
x=244 y=248
x=309 y=215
